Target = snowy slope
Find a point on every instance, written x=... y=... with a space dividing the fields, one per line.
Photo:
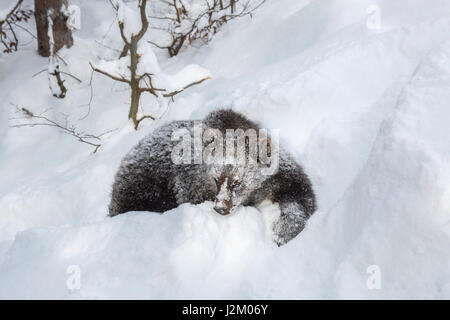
x=365 y=112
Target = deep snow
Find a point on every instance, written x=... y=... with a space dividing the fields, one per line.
x=364 y=111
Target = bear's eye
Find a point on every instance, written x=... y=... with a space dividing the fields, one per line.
x=235 y=183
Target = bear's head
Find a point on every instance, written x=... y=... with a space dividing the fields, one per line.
x=236 y=179
x=239 y=155
x=235 y=184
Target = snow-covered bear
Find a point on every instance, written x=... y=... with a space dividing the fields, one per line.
x=161 y=172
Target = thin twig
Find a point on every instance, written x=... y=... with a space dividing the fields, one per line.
x=8 y=15
x=65 y=128
x=71 y=75
x=90 y=97
x=181 y=90
x=108 y=75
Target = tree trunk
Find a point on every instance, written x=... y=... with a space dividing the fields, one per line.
x=134 y=107
x=61 y=33
x=134 y=83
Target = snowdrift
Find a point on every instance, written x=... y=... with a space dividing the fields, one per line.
x=364 y=111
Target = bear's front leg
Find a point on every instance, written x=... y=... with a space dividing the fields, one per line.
x=291 y=222
x=193 y=186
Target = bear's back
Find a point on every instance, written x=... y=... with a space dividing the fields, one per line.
x=142 y=181
x=228 y=119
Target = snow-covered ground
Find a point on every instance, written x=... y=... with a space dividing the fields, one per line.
x=364 y=110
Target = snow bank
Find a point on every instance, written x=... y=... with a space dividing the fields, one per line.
x=364 y=111
x=405 y=181
x=199 y=252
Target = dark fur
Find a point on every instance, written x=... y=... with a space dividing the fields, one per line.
x=148 y=180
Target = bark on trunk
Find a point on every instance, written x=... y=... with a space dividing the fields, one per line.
x=61 y=33
x=134 y=83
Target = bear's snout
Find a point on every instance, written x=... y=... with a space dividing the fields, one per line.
x=222 y=211
x=224 y=197
x=223 y=207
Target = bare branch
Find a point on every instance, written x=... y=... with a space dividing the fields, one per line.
x=122 y=33
x=39 y=72
x=144 y=20
x=65 y=128
x=140 y=83
x=90 y=97
x=138 y=121
x=156 y=45
x=71 y=75
x=109 y=75
x=63 y=72
x=124 y=51
x=197 y=29
x=181 y=90
x=163 y=18
x=9 y=14
x=57 y=74
x=113 y=5
x=25 y=29
x=8 y=36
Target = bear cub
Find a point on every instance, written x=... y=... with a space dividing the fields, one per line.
x=154 y=177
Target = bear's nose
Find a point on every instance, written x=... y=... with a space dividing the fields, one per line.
x=220 y=210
